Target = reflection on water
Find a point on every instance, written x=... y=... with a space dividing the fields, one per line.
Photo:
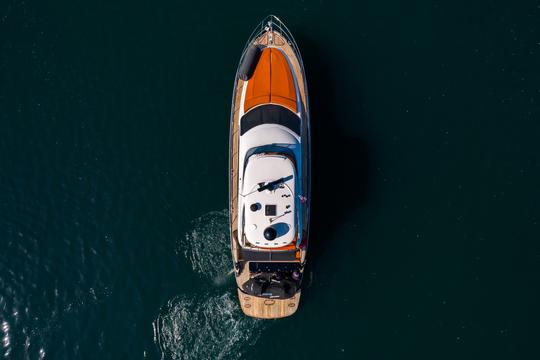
x=209 y=326
x=52 y=271
x=6 y=338
x=27 y=325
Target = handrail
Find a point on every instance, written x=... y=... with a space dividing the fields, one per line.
x=269 y=23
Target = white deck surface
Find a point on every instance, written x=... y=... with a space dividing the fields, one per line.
x=264 y=169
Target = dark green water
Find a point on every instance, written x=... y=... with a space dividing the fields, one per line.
x=425 y=241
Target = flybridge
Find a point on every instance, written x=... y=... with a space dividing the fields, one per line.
x=269 y=205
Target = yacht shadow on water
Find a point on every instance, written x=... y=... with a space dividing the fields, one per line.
x=340 y=161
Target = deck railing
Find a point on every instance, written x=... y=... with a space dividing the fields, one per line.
x=272 y=22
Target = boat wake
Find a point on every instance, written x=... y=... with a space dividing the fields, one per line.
x=208 y=326
x=207 y=247
x=211 y=328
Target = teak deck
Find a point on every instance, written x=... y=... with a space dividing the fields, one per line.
x=268 y=308
x=251 y=305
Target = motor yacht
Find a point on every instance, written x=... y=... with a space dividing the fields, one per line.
x=269 y=164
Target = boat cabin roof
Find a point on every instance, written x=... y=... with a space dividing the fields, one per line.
x=270 y=114
x=269 y=200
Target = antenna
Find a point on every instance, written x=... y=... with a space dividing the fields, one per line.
x=270 y=185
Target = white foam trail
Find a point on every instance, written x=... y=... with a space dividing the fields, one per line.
x=207 y=246
x=212 y=327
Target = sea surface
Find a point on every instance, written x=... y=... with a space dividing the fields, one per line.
x=425 y=239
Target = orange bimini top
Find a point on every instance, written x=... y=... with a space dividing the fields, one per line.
x=272 y=82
